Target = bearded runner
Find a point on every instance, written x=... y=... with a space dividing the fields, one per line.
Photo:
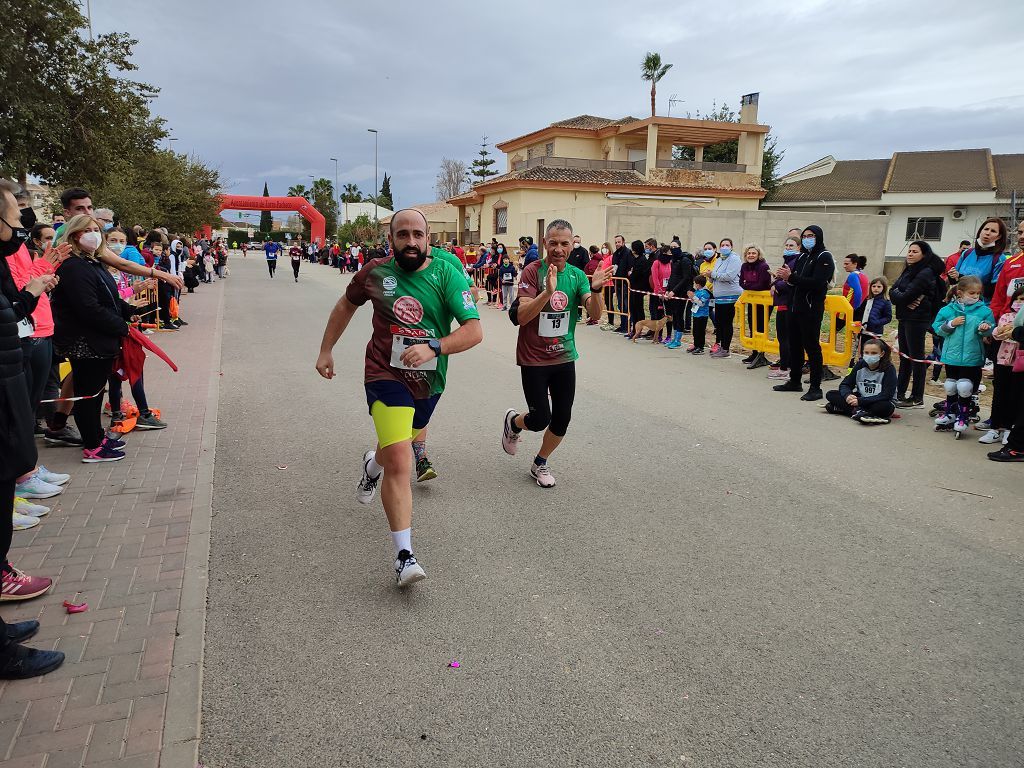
x=415 y=299
x=550 y=295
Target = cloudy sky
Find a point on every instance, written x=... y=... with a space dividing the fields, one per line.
x=269 y=91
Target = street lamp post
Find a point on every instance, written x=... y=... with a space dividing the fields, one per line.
x=336 y=190
x=375 y=190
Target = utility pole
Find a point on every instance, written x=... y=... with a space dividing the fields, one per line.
x=376 y=192
x=336 y=190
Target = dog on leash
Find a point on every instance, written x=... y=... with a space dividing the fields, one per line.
x=654 y=326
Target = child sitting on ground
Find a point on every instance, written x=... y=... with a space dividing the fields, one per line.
x=962 y=324
x=700 y=299
x=868 y=393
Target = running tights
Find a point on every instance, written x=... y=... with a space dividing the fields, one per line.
x=542 y=381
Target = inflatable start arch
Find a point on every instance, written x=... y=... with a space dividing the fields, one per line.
x=300 y=205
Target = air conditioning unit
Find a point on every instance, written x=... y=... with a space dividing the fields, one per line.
x=884 y=211
x=959 y=214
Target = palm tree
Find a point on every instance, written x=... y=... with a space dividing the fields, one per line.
x=652 y=69
x=350 y=194
x=298 y=190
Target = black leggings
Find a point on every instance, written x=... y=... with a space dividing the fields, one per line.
x=295 y=268
x=90 y=377
x=677 y=308
x=37 y=356
x=700 y=329
x=910 y=336
x=883 y=408
x=138 y=392
x=271 y=266
x=782 y=335
x=724 y=314
x=538 y=382
x=805 y=338
x=636 y=309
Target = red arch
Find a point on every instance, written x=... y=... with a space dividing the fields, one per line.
x=302 y=206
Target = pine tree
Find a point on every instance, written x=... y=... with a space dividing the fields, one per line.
x=384 y=199
x=266 y=220
x=481 y=167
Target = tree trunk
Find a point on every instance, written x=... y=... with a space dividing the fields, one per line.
x=653 y=89
x=23 y=177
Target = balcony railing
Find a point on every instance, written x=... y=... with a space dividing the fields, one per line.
x=693 y=165
x=579 y=162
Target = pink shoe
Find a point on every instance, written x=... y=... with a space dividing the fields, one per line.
x=715 y=347
x=509 y=437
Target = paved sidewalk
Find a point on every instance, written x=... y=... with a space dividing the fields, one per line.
x=132 y=539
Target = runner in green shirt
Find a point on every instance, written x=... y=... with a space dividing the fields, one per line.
x=415 y=299
x=550 y=294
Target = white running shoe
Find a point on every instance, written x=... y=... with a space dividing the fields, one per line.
x=36 y=488
x=53 y=478
x=992 y=436
x=367 y=487
x=24 y=522
x=25 y=507
x=509 y=437
x=407 y=570
x=542 y=475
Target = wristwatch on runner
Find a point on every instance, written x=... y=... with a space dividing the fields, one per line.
x=435 y=345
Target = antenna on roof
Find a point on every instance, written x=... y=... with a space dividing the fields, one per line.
x=673 y=100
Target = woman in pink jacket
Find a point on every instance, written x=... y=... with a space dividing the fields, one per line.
x=661 y=271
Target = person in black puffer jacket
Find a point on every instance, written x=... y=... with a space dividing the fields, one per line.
x=90 y=320
x=810 y=277
x=914 y=297
x=17 y=444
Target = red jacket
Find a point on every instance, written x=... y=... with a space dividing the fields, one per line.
x=660 y=273
x=1010 y=279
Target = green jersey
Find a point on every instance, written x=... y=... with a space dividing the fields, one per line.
x=410 y=308
x=549 y=339
x=451 y=258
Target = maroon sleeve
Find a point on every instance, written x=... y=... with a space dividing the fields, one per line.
x=356 y=291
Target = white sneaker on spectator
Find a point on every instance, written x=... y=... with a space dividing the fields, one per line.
x=53 y=478
x=26 y=507
x=36 y=488
x=24 y=522
x=992 y=436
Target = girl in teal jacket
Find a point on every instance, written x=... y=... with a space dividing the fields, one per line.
x=962 y=323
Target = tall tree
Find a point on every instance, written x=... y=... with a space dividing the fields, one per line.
x=266 y=220
x=323 y=199
x=481 y=167
x=451 y=178
x=384 y=199
x=653 y=70
x=350 y=194
x=298 y=190
x=67 y=115
x=728 y=151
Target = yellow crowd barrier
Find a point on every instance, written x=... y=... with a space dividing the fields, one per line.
x=836 y=308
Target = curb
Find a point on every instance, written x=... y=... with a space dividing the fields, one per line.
x=183 y=724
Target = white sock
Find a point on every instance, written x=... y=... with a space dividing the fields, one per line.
x=373 y=469
x=402 y=540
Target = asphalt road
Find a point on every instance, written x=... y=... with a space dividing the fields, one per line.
x=724 y=576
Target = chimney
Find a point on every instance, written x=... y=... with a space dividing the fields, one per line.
x=748 y=108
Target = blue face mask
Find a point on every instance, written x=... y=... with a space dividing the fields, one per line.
x=725 y=250
x=708 y=254
x=790 y=252
x=872 y=359
x=108 y=226
x=808 y=243
x=647 y=251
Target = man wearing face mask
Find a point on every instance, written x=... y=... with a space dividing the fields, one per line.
x=415 y=298
x=579 y=256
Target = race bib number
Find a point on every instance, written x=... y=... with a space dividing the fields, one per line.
x=401 y=343
x=1014 y=285
x=664 y=283
x=553 y=324
x=507 y=277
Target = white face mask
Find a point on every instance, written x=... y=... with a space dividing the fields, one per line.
x=89 y=241
x=604 y=251
x=116 y=247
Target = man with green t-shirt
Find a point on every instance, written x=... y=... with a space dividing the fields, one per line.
x=415 y=299
x=424 y=469
x=550 y=295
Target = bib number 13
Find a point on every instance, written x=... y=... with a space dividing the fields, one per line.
x=553 y=324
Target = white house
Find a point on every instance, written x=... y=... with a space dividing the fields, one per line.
x=352 y=211
x=941 y=197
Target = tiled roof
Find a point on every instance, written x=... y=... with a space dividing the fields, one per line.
x=591 y=122
x=428 y=209
x=1009 y=175
x=957 y=170
x=849 y=180
x=577 y=175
